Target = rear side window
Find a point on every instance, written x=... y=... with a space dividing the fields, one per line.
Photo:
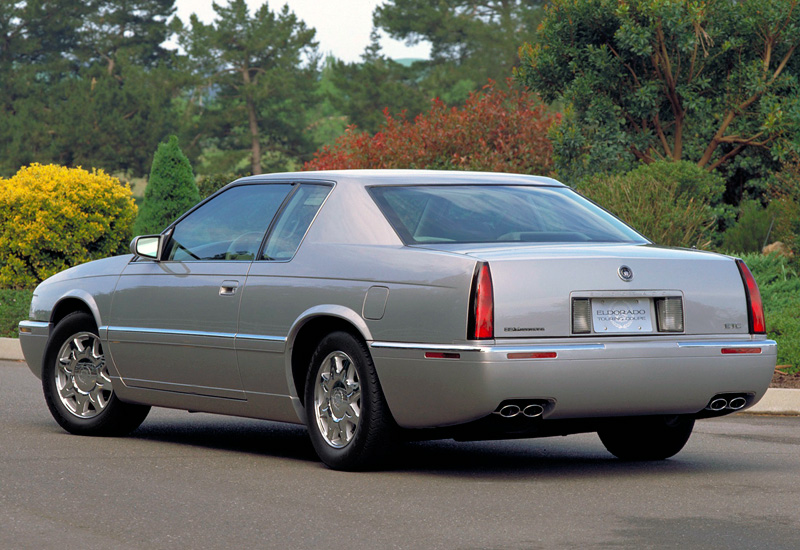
x=495 y=213
x=294 y=221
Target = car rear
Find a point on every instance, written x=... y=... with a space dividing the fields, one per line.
x=572 y=315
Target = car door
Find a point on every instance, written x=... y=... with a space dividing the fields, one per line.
x=278 y=289
x=173 y=322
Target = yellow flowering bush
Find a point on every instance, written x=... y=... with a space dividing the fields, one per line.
x=53 y=217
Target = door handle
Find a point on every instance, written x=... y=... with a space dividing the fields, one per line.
x=228 y=288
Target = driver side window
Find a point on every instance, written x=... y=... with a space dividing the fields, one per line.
x=229 y=227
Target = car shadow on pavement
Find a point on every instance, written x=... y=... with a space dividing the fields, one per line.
x=236 y=435
x=541 y=458
x=579 y=455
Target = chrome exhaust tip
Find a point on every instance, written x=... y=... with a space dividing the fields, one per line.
x=533 y=411
x=737 y=403
x=718 y=404
x=509 y=411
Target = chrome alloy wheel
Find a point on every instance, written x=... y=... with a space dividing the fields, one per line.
x=81 y=376
x=337 y=399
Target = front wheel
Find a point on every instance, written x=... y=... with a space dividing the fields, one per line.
x=348 y=420
x=77 y=386
x=647 y=438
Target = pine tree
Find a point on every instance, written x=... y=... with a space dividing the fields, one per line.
x=171 y=189
x=260 y=67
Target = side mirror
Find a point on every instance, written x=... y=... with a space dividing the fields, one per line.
x=147 y=246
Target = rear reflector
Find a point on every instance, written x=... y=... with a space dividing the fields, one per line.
x=726 y=351
x=533 y=355
x=755 y=309
x=481 y=319
x=669 y=311
x=441 y=355
x=581 y=316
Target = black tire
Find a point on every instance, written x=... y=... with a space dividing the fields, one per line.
x=76 y=385
x=647 y=438
x=342 y=440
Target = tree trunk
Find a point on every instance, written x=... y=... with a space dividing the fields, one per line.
x=255 y=145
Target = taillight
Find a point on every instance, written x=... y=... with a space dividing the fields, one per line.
x=755 y=309
x=481 y=306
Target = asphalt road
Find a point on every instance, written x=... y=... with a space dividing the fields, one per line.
x=202 y=481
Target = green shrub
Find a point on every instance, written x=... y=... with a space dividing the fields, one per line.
x=171 y=189
x=14 y=306
x=752 y=228
x=52 y=218
x=784 y=195
x=779 y=284
x=670 y=203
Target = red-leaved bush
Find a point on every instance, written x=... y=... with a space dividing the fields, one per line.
x=497 y=130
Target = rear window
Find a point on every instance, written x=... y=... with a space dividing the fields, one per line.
x=495 y=213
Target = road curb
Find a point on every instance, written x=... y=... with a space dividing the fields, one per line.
x=775 y=401
x=10 y=350
x=778 y=401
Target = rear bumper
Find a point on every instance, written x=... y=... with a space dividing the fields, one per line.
x=33 y=337
x=587 y=380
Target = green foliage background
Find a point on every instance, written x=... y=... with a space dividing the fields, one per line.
x=683 y=118
x=14 y=305
x=671 y=203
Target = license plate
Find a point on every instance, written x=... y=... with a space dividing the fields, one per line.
x=622 y=315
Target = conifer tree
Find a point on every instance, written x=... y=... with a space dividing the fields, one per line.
x=171 y=189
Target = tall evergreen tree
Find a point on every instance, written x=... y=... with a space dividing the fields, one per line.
x=84 y=83
x=363 y=90
x=471 y=41
x=257 y=73
x=39 y=40
x=171 y=189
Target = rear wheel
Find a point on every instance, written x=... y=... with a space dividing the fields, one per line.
x=348 y=420
x=647 y=438
x=77 y=386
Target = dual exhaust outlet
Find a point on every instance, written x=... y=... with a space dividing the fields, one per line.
x=534 y=410
x=722 y=402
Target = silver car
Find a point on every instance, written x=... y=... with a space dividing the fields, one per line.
x=374 y=306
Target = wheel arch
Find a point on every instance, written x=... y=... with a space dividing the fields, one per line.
x=76 y=300
x=306 y=333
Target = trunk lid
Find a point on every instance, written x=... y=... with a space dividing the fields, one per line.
x=535 y=288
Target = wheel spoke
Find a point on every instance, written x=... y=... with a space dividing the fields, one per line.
x=347 y=428
x=97 y=351
x=104 y=380
x=97 y=398
x=331 y=432
x=341 y=369
x=67 y=392
x=354 y=411
x=81 y=404
x=325 y=383
x=78 y=345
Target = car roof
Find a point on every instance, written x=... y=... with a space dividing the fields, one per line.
x=404 y=177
